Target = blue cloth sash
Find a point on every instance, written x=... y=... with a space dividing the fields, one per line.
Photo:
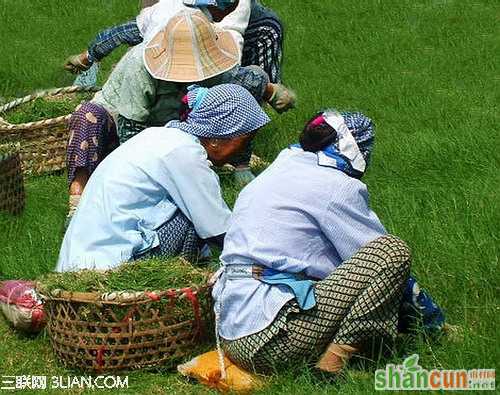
x=301 y=286
x=303 y=289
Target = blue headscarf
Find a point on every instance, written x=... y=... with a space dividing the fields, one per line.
x=224 y=111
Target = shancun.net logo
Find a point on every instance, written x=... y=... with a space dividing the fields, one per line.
x=411 y=376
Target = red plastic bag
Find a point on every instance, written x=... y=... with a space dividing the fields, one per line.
x=21 y=305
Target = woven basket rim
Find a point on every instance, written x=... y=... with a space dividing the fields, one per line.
x=4 y=127
x=7 y=126
x=142 y=297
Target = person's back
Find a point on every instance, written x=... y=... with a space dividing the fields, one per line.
x=131 y=193
x=282 y=215
x=292 y=219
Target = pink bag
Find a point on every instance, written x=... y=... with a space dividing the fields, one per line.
x=21 y=305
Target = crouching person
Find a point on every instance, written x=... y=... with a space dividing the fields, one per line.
x=308 y=269
x=155 y=195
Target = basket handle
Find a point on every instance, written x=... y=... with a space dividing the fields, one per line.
x=48 y=92
x=95 y=297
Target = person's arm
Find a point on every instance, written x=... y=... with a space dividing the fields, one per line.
x=256 y=81
x=252 y=78
x=103 y=44
x=106 y=41
x=236 y=22
x=195 y=189
x=348 y=222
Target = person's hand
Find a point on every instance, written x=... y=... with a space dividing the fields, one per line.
x=282 y=98
x=78 y=63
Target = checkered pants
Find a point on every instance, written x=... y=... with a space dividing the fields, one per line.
x=358 y=302
x=177 y=236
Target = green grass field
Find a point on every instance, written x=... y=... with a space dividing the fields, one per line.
x=426 y=71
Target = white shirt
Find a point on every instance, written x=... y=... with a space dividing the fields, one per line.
x=135 y=190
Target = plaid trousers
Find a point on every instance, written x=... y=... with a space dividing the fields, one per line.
x=177 y=237
x=358 y=302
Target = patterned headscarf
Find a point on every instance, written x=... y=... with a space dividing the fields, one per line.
x=363 y=131
x=224 y=111
x=350 y=144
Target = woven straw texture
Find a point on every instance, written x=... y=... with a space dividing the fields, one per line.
x=188 y=49
x=12 y=196
x=126 y=331
x=42 y=143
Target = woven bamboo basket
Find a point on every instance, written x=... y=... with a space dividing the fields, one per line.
x=42 y=143
x=126 y=331
x=12 y=196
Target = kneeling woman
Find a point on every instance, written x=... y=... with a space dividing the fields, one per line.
x=156 y=194
x=308 y=269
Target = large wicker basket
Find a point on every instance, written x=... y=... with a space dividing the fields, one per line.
x=125 y=331
x=12 y=196
x=42 y=143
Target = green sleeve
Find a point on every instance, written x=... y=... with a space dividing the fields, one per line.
x=130 y=90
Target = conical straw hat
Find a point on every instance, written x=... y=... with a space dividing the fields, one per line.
x=189 y=49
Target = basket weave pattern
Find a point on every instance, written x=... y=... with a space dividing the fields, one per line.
x=12 y=196
x=42 y=143
x=152 y=329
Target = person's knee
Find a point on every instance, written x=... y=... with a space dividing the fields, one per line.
x=89 y=120
x=77 y=114
x=258 y=74
x=256 y=70
x=84 y=114
x=397 y=251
